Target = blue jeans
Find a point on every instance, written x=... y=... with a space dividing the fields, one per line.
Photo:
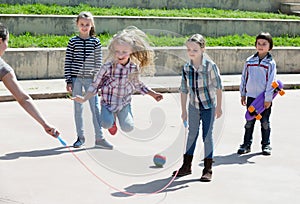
x=78 y=84
x=265 y=127
x=125 y=118
x=195 y=116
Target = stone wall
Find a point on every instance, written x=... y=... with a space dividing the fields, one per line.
x=213 y=27
x=42 y=63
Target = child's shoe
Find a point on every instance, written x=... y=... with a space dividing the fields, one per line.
x=186 y=167
x=79 y=142
x=244 y=149
x=113 y=129
x=266 y=150
x=207 y=171
x=103 y=144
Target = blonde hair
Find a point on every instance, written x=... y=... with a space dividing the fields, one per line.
x=197 y=38
x=89 y=16
x=142 y=53
x=200 y=40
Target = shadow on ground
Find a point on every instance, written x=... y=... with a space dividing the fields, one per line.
x=154 y=187
x=38 y=153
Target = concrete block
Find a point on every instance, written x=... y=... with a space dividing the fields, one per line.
x=28 y=63
x=47 y=63
x=56 y=62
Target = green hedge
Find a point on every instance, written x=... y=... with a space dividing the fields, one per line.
x=41 y=9
x=51 y=41
x=29 y=40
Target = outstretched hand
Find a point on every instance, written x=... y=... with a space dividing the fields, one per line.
x=79 y=99
x=52 y=131
x=158 y=97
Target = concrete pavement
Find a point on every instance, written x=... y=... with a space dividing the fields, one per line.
x=37 y=169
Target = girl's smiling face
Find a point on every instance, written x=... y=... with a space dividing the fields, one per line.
x=84 y=27
x=122 y=52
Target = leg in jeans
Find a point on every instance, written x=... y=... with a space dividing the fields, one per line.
x=208 y=118
x=249 y=126
x=107 y=117
x=265 y=127
x=126 y=118
x=78 y=107
x=248 y=136
x=95 y=109
x=194 y=123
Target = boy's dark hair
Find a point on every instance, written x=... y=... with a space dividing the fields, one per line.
x=3 y=32
x=266 y=36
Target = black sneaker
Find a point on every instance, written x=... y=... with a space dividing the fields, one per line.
x=266 y=150
x=244 y=149
x=79 y=142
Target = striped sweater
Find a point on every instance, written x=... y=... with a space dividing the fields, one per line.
x=83 y=58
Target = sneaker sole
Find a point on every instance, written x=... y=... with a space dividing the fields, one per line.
x=181 y=175
x=205 y=180
x=266 y=153
x=78 y=146
x=103 y=147
x=243 y=152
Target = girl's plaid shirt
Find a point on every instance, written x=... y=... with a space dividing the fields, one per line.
x=117 y=83
x=201 y=84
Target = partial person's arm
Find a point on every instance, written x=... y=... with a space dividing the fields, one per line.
x=219 y=103
x=26 y=102
x=82 y=99
x=155 y=95
x=183 y=98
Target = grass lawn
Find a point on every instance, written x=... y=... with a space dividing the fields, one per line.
x=29 y=40
x=117 y=11
x=51 y=41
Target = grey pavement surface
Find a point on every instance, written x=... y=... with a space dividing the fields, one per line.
x=36 y=169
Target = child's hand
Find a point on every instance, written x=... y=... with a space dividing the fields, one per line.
x=184 y=115
x=69 y=88
x=218 y=112
x=267 y=104
x=78 y=99
x=158 y=97
x=51 y=131
x=243 y=101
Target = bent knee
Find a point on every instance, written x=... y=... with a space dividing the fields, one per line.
x=265 y=125
x=106 y=124
x=249 y=124
x=127 y=128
